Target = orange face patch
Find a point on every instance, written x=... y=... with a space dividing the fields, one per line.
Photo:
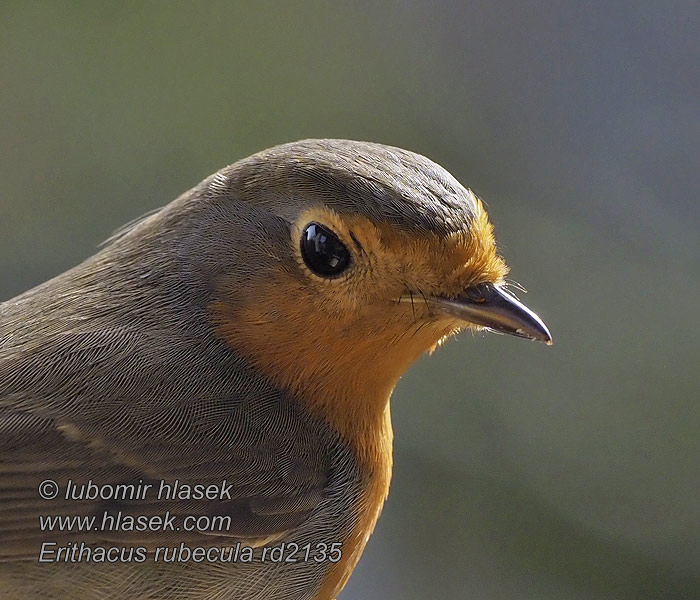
x=341 y=344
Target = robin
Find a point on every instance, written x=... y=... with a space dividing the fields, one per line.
x=201 y=409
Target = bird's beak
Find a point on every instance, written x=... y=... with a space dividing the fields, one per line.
x=493 y=307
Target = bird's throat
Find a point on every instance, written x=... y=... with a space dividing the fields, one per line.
x=342 y=373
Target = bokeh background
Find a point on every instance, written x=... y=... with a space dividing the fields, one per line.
x=522 y=471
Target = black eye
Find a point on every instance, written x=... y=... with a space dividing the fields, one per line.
x=323 y=252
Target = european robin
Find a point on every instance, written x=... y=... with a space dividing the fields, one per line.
x=201 y=409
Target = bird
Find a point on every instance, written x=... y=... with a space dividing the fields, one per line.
x=227 y=361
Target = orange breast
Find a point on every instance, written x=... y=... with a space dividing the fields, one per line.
x=378 y=470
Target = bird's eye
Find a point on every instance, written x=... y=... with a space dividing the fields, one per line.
x=323 y=252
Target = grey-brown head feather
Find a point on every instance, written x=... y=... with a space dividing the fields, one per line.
x=381 y=182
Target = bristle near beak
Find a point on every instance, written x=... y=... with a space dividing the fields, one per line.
x=493 y=307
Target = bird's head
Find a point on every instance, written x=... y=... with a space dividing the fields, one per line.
x=355 y=259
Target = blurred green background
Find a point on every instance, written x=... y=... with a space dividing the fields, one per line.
x=522 y=472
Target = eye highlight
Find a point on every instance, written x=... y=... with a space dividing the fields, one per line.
x=323 y=252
